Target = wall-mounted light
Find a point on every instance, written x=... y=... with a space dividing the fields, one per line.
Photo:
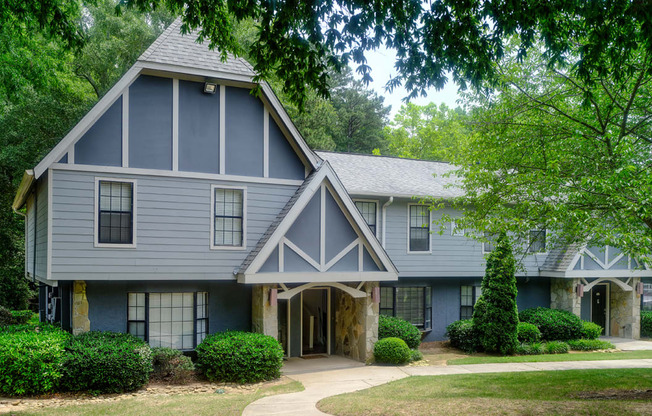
x=580 y=290
x=375 y=294
x=210 y=88
x=273 y=296
x=639 y=288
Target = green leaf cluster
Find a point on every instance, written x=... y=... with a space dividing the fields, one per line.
x=392 y=351
x=646 y=324
x=462 y=335
x=241 y=357
x=393 y=327
x=554 y=324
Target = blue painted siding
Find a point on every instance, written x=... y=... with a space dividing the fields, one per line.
x=446 y=298
x=150 y=123
x=244 y=133
x=229 y=303
x=199 y=129
x=172 y=233
x=283 y=160
x=305 y=230
x=102 y=143
x=339 y=232
x=42 y=226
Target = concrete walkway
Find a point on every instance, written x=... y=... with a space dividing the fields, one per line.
x=628 y=344
x=322 y=384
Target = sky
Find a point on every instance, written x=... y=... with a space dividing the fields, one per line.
x=381 y=62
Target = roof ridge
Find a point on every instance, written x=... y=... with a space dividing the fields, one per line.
x=382 y=156
x=160 y=40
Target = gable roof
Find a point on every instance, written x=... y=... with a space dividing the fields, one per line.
x=276 y=231
x=171 y=52
x=392 y=176
x=173 y=48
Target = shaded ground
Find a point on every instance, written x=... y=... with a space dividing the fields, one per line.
x=438 y=353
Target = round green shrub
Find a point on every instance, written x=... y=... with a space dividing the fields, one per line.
x=591 y=330
x=528 y=332
x=241 y=357
x=646 y=324
x=462 y=335
x=390 y=326
x=556 y=347
x=171 y=365
x=6 y=318
x=31 y=362
x=106 y=362
x=21 y=317
x=416 y=355
x=554 y=324
x=392 y=350
x=589 y=345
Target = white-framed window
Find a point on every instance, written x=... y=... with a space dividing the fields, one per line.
x=115 y=213
x=413 y=304
x=488 y=246
x=418 y=228
x=469 y=295
x=456 y=231
x=228 y=217
x=646 y=299
x=537 y=241
x=369 y=211
x=174 y=320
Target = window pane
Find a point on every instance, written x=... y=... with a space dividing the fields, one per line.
x=171 y=320
x=410 y=304
x=537 y=243
x=227 y=224
x=489 y=245
x=115 y=212
x=419 y=228
x=368 y=211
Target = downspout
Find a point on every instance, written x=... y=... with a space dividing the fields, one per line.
x=385 y=205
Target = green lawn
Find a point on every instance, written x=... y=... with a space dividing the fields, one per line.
x=618 y=392
x=172 y=405
x=580 y=356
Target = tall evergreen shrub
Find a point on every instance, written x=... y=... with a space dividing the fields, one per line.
x=495 y=317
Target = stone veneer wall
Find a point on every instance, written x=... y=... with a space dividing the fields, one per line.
x=80 y=321
x=625 y=311
x=563 y=296
x=356 y=324
x=264 y=318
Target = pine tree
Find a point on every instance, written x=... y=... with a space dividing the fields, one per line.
x=495 y=316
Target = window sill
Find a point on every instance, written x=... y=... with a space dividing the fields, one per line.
x=109 y=245
x=231 y=248
x=419 y=252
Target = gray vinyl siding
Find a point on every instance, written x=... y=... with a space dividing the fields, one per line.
x=29 y=236
x=450 y=256
x=42 y=226
x=172 y=231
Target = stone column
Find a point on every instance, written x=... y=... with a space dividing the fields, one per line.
x=564 y=297
x=625 y=311
x=356 y=325
x=264 y=316
x=80 y=321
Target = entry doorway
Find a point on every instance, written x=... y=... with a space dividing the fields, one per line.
x=316 y=321
x=600 y=306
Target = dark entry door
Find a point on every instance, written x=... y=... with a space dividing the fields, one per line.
x=599 y=306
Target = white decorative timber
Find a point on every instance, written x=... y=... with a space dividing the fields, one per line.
x=623 y=285
x=355 y=293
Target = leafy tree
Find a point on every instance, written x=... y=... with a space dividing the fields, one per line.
x=303 y=41
x=428 y=132
x=542 y=156
x=495 y=317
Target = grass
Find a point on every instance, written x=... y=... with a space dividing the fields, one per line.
x=618 y=392
x=580 y=356
x=170 y=405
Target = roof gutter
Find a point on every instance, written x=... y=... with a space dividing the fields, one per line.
x=23 y=190
x=385 y=205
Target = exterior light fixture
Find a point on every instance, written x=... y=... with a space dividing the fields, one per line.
x=210 y=88
x=273 y=293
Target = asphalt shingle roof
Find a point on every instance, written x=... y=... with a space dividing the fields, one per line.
x=559 y=259
x=173 y=48
x=391 y=176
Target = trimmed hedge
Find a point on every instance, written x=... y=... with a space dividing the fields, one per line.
x=556 y=347
x=554 y=324
x=528 y=332
x=462 y=335
x=30 y=362
x=21 y=317
x=392 y=350
x=416 y=355
x=106 y=362
x=591 y=330
x=171 y=365
x=646 y=324
x=6 y=318
x=390 y=326
x=589 y=345
x=242 y=357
